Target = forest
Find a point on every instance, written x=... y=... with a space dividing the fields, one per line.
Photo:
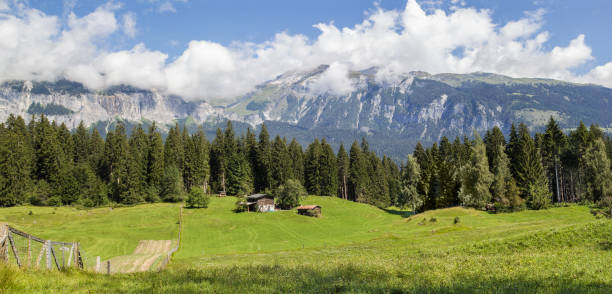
x=42 y=163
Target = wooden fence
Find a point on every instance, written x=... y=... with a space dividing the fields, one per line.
x=17 y=246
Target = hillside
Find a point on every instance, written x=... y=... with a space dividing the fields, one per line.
x=352 y=248
x=418 y=106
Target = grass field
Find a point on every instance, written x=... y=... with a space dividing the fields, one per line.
x=351 y=248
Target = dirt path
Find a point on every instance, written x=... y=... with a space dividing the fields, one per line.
x=143 y=258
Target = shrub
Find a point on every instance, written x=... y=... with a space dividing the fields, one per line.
x=289 y=194
x=197 y=198
x=456 y=220
x=241 y=204
x=604 y=208
x=55 y=201
x=433 y=220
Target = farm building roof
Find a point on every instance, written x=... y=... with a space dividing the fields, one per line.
x=257 y=196
x=309 y=207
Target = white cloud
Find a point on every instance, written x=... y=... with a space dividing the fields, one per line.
x=167 y=6
x=34 y=45
x=129 y=24
x=4 y=5
x=334 y=80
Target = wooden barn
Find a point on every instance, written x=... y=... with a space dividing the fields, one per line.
x=310 y=210
x=260 y=202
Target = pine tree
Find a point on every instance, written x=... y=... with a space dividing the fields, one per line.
x=251 y=150
x=174 y=152
x=553 y=146
x=138 y=144
x=393 y=179
x=312 y=168
x=200 y=161
x=155 y=160
x=530 y=174
x=16 y=156
x=297 y=161
x=599 y=176
x=328 y=173
x=96 y=156
x=476 y=177
x=410 y=179
x=280 y=167
x=218 y=162
x=262 y=175
x=342 y=165
x=81 y=144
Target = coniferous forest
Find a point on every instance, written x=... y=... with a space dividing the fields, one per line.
x=42 y=163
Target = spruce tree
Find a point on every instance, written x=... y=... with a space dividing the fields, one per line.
x=280 y=167
x=343 y=165
x=297 y=161
x=81 y=144
x=328 y=173
x=410 y=179
x=554 y=145
x=262 y=175
x=599 y=176
x=16 y=157
x=155 y=161
x=312 y=168
x=530 y=174
x=476 y=177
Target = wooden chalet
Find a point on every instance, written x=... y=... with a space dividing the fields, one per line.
x=310 y=210
x=260 y=203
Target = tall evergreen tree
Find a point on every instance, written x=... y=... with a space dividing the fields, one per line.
x=328 y=173
x=476 y=177
x=312 y=168
x=264 y=161
x=280 y=167
x=530 y=174
x=81 y=144
x=410 y=179
x=343 y=165
x=597 y=165
x=359 y=180
x=297 y=161
x=155 y=159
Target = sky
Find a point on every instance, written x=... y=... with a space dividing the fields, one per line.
x=217 y=50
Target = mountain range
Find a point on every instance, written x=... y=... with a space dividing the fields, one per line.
x=393 y=116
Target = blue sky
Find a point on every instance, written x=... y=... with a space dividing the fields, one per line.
x=225 y=21
x=177 y=39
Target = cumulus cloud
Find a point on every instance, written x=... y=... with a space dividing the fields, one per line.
x=334 y=80
x=34 y=45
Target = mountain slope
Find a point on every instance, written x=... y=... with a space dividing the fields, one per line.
x=393 y=115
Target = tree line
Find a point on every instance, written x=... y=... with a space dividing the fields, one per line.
x=43 y=163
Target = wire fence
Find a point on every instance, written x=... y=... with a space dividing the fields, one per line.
x=27 y=250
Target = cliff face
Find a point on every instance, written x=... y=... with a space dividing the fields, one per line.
x=417 y=107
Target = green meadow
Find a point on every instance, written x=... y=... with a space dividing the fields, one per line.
x=352 y=248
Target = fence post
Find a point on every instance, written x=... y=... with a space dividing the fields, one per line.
x=29 y=251
x=97 y=264
x=108 y=267
x=48 y=246
x=4 y=242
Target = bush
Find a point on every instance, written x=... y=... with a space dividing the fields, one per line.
x=433 y=220
x=604 y=208
x=87 y=203
x=241 y=204
x=289 y=194
x=456 y=220
x=197 y=198
x=55 y=201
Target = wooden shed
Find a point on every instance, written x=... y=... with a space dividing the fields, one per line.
x=260 y=203
x=310 y=210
